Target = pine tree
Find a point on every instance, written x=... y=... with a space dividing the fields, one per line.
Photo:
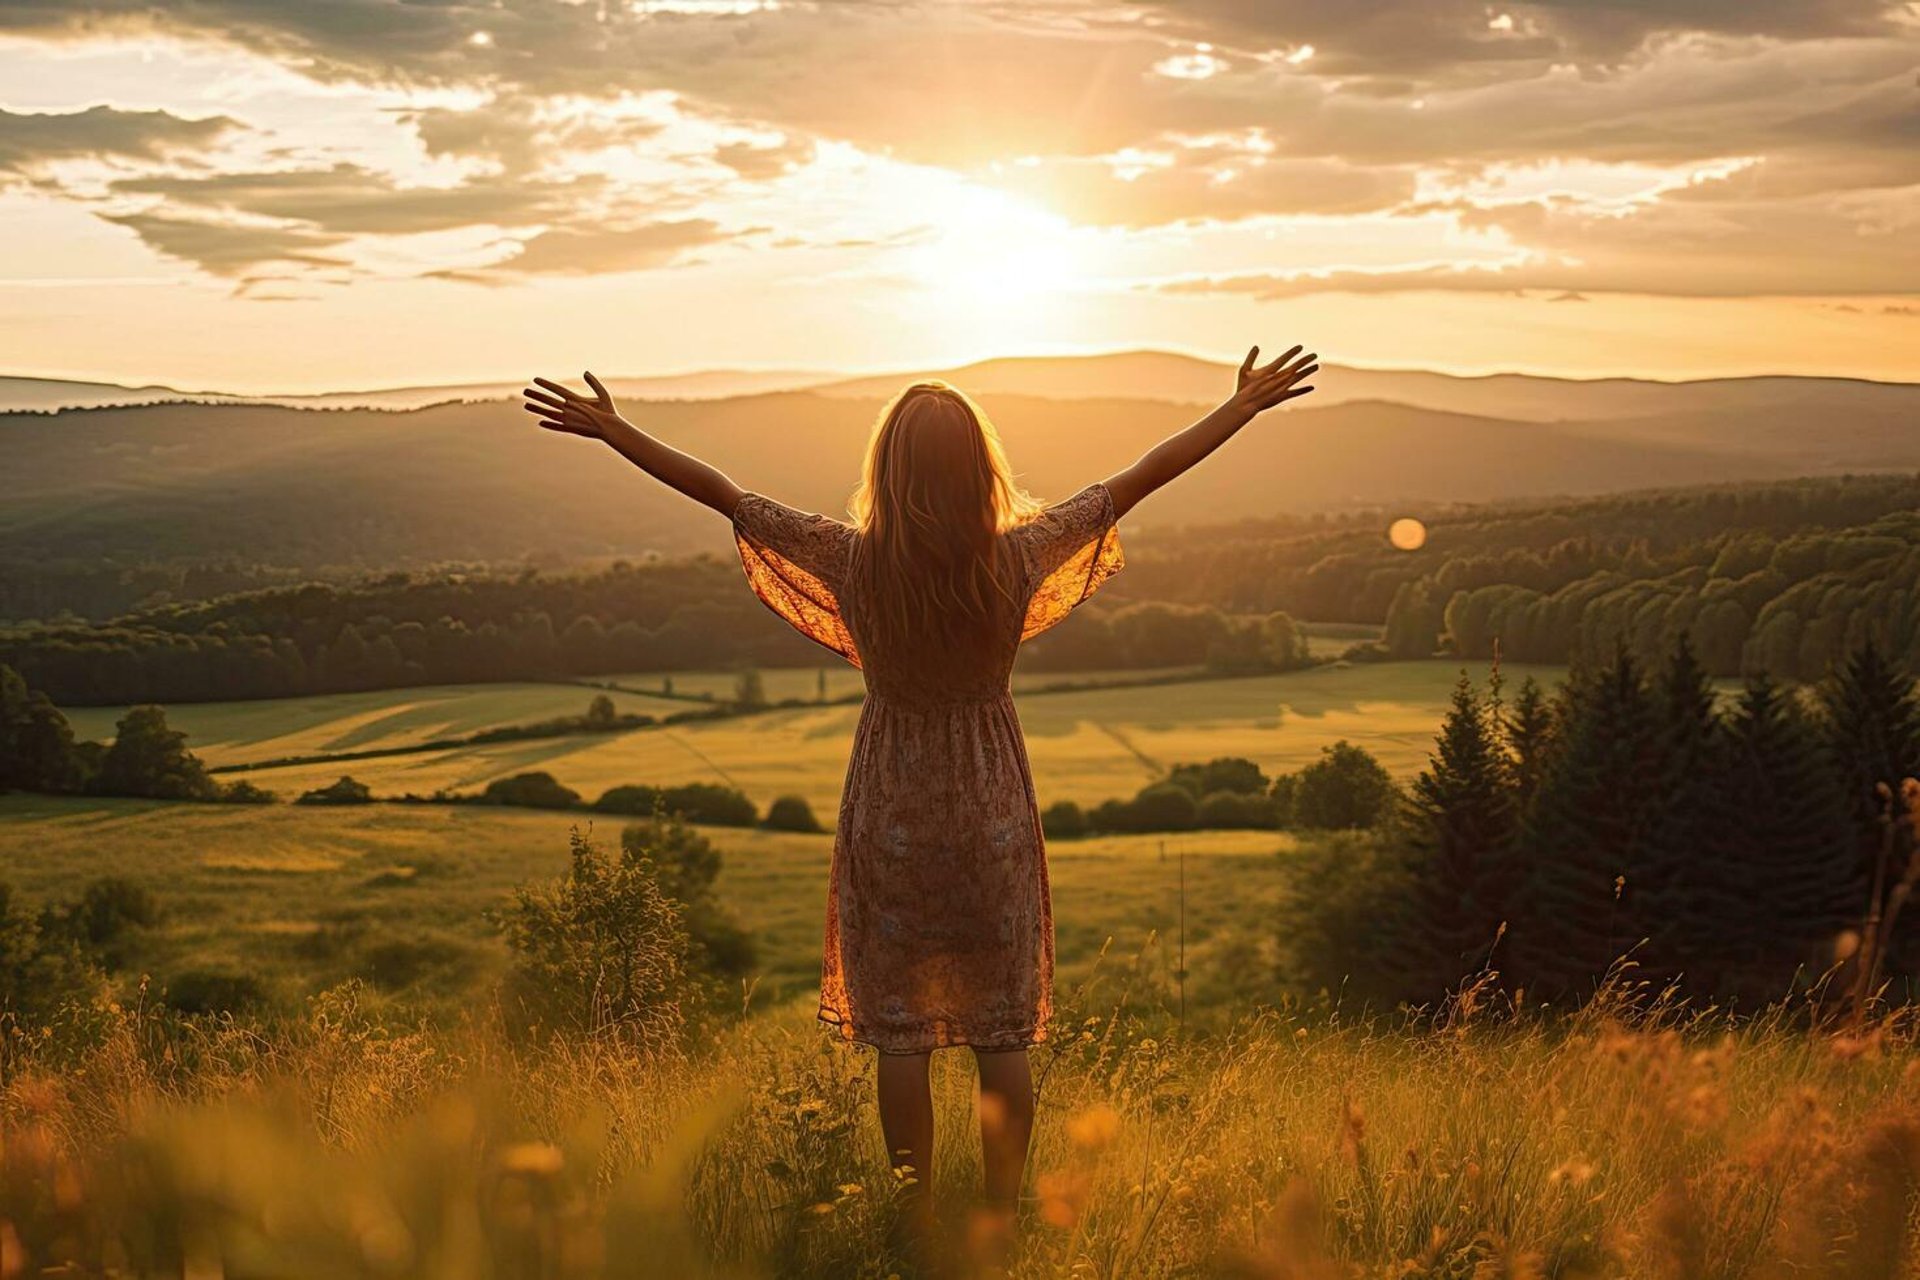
x=1873 y=734
x=1688 y=729
x=1529 y=730
x=1777 y=880
x=1588 y=836
x=1462 y=863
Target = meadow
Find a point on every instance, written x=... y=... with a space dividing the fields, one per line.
x=1628 y=1144
x=1086 y=745
x=395 y=895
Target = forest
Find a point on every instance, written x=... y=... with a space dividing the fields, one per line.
x=1785 y=577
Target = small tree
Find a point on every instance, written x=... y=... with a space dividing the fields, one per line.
x=535 y=790
x=598 y=952
x=1063 y=820
x=1345 y=789
x=791 y=813
x=749 y=690
x=601 y=713
x=1227 y=773
x=151 y=760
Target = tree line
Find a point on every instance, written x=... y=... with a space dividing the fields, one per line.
x=403 y=631
x=1731 y=851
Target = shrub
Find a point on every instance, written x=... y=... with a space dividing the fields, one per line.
x=1064 y=820
x=1228 y=773
x=537 y=790
x=721 y=953
x=1236 y=810
x=1161 y=807
x=109 y=908
x=791 y=813
x=40 y=970
x=696 y=802
x=600 y=951
x=1339 y=926
x=213 y=991
x=345 y=791
x=245 y=792
x=392 y=964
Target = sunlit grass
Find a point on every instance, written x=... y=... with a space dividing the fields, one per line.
x=1296 y=1146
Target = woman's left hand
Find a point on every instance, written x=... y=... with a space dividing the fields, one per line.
x=561 y=409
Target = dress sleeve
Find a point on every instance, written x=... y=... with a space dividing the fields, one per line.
x=1066 y=552
x=796 y=563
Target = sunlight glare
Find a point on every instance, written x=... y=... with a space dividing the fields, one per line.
x=989 y=250
x=1407 y=534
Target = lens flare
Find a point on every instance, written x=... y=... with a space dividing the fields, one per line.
x=1407 y=534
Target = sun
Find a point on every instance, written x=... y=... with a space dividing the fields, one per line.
x=986 y=249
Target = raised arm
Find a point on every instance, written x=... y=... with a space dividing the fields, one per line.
x=1260 y=388
x=597 y=418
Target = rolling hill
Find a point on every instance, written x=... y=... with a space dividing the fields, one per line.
x=477 y=482
x=1130 y=375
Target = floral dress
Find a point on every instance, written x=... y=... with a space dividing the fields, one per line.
x=939 y=925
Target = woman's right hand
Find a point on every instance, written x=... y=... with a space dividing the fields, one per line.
x=561 y=409
x=1261 y=387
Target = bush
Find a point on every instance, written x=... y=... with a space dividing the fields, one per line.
x=40 y=970
x=393 y=964
x=1160 y=807
x=108 y=910
x=599 y=952
x=212 y=991
x=345 y=791
x=1236 y=811
x=1064 y=820
x=1346 y=789
x=720 y=952
x=1228 y=773
x=537 y=790
x=1340 y=926
x=245 y=792
x=703 y=802
x=791 y=813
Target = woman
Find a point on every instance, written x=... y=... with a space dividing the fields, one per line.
x=939 y=929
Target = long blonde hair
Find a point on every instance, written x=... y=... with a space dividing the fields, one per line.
x=935 y=494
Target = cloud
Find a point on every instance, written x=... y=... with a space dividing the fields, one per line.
x=231 y=250
x=517 y=134
x=29 y=140
x=352 y=200
x=757 y=163
x=1292 y=107
x=598 y=251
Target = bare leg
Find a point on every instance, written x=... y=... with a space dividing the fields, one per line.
x=1006 y=1123
x=906 y=1118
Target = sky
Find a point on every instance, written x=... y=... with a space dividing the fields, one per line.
x=271 y=195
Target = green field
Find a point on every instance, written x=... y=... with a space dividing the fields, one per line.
x=307 y=897
x=1087 y=745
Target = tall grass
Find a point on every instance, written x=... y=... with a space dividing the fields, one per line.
x=1630 y=1141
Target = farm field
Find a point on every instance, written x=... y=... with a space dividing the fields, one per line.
x=1086 y=745
x=307 y=897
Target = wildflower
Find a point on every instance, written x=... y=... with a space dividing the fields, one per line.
x=1094 y=1128
x=535 y=1159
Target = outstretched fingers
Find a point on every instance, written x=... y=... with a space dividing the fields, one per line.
x=598 y=390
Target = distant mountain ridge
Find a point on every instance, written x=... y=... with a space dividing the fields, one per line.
x=1132 y=375
x=478 y=482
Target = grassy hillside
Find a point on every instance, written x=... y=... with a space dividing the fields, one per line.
x=306 y=897
x=1085 y=746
